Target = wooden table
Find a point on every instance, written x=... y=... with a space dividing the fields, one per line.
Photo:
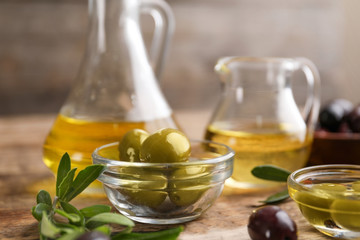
x=22 y=174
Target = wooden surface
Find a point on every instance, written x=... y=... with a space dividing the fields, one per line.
x=22 y=174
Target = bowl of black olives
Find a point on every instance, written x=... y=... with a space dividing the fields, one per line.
x=163 y=178
x=337 y=137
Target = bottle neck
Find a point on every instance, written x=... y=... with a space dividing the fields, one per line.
x=116 y=80
x=116 y=49
x=109 y=22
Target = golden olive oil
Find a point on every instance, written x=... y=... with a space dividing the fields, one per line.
x=330 y=207
x=270 y=144
x=79 y=138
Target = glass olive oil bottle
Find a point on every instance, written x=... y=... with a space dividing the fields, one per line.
x=117 y=87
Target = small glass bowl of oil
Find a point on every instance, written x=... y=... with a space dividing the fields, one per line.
x=165 y=193
x=329 y=198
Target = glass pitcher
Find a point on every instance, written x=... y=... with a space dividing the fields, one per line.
x=258 y=117
x=116 y=89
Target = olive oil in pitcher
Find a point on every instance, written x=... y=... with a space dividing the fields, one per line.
x=257 y=116
x=264 y=146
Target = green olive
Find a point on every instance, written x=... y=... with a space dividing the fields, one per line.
x=144 y=187
x=314 y=208
x=165 y=146
x=149 y=198
x=188 y=184
x=328 y=188
x=129 y=146
x=346 y=214
x=315 y=205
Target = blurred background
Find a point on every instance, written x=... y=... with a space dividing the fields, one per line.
x=42 y=43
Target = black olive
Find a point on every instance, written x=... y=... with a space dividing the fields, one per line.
x=333 y=114
x=353 y=119
x=271 y=223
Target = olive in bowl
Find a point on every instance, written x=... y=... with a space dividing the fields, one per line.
x=163 y=192
x=130 y=144
x=328 y=196
x=166 y=145
x=337 y=138
x=332 y=116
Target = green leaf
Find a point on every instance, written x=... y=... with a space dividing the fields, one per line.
x=71 y=216
x=33 y=212
x=66 y=183
x=105 y=229
x=277 y=197
x=63 y=169
x=71 y=235
x=168 y=234
x=105 y=218
x=44 y=197
x=91 y=211
x=65 y=230
x=37 y=211
x=270 y=172
x=48 y=229
x=83 y=179
x=67 y=207
x=68 y=227
x=98 y=216
x=42 y=237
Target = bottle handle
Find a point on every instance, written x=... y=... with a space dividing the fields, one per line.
x=164 y=21
x=312 y=104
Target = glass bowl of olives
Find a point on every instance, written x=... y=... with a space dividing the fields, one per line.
x=329 y=198
x=163 y=178
x=338 y=132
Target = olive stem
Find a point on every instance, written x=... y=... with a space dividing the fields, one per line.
x=56 y=200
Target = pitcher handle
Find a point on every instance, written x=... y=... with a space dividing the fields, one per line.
x=312 y=104
x=164 y=21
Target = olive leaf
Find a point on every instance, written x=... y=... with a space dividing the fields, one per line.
x=71 y=216
x=168 y=234
x=67 y=227
x=83 y=180
x=43 y=197
x=48 y=229
x=37 y=211
x=67 y=207
x=104 y=218
x=277 y=197
x=66 y=183
x=91 y=211
x=106 y=229
x=71 y=235
x=63 y=169
x=272 y=173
